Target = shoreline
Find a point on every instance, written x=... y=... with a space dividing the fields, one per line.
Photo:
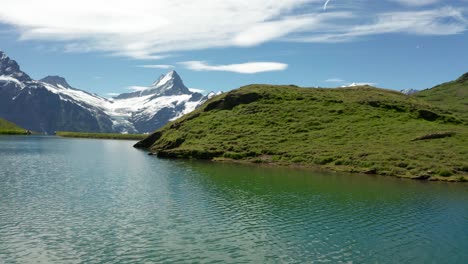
x=68 y=134
x=319 y=168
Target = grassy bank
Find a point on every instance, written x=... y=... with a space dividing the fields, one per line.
x=359 y=129
x=101 y=135
x=9 y=128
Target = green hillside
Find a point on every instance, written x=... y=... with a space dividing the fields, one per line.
x=360 y=129
x=450 y=96
x=9 y=128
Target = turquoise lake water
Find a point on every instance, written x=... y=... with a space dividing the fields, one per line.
x=102 y=201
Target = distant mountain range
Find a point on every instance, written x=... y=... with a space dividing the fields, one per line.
x=51 y=104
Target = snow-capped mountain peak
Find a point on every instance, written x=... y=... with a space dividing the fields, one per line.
x=169 y=84
x=9 y=68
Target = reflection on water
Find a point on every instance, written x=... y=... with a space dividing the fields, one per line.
x=94 y=201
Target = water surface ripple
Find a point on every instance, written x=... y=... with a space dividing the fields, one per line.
x=101 y=201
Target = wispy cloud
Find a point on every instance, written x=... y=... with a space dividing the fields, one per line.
x=156 y=66
x=443 y=21
x=136 y=88
x=416 y=2
x=246 y=68
x=270 y=30
x=334 y=80
x=150 y=29
x=112 y=94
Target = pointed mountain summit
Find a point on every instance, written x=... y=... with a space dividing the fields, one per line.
x=9 y=68
x=169 y=84
x=56 y=81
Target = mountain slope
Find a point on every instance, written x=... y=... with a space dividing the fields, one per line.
x=7 y=127
x=359 y=129
x=450 y=96
x=166 y=99
x=43 y=107
x=51 y=104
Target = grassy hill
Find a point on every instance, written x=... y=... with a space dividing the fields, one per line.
x=450 y=96
x=9 y=128
x=360 y=129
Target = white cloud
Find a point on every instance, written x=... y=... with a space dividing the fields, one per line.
x=196 y=90
x=246 y=68
x=270 y=30
x=142 y=29
x=150 y=29
x=156 y=66
x=334 y=80
x=136 y=88
x=416 y=2
x=112 y=94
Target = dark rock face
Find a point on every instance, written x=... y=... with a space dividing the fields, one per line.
x=148 y=141
x=56 y=80
x=31 y=105
x=161 y=118
x=232 y=100
x=37 y=109
x=435 y=136
x=428 y=115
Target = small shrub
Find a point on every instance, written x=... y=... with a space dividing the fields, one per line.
x=325 y=160
x=297 y=160
x=402 y=164
x=462 y=179
x=339 y=162
x=445 y=173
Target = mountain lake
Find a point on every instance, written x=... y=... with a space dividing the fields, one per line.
x=66 y=200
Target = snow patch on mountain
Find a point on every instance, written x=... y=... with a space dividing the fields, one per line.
x=4 y=78
x=409 y=91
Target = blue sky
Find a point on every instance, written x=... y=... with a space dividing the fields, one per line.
x=107 y=47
